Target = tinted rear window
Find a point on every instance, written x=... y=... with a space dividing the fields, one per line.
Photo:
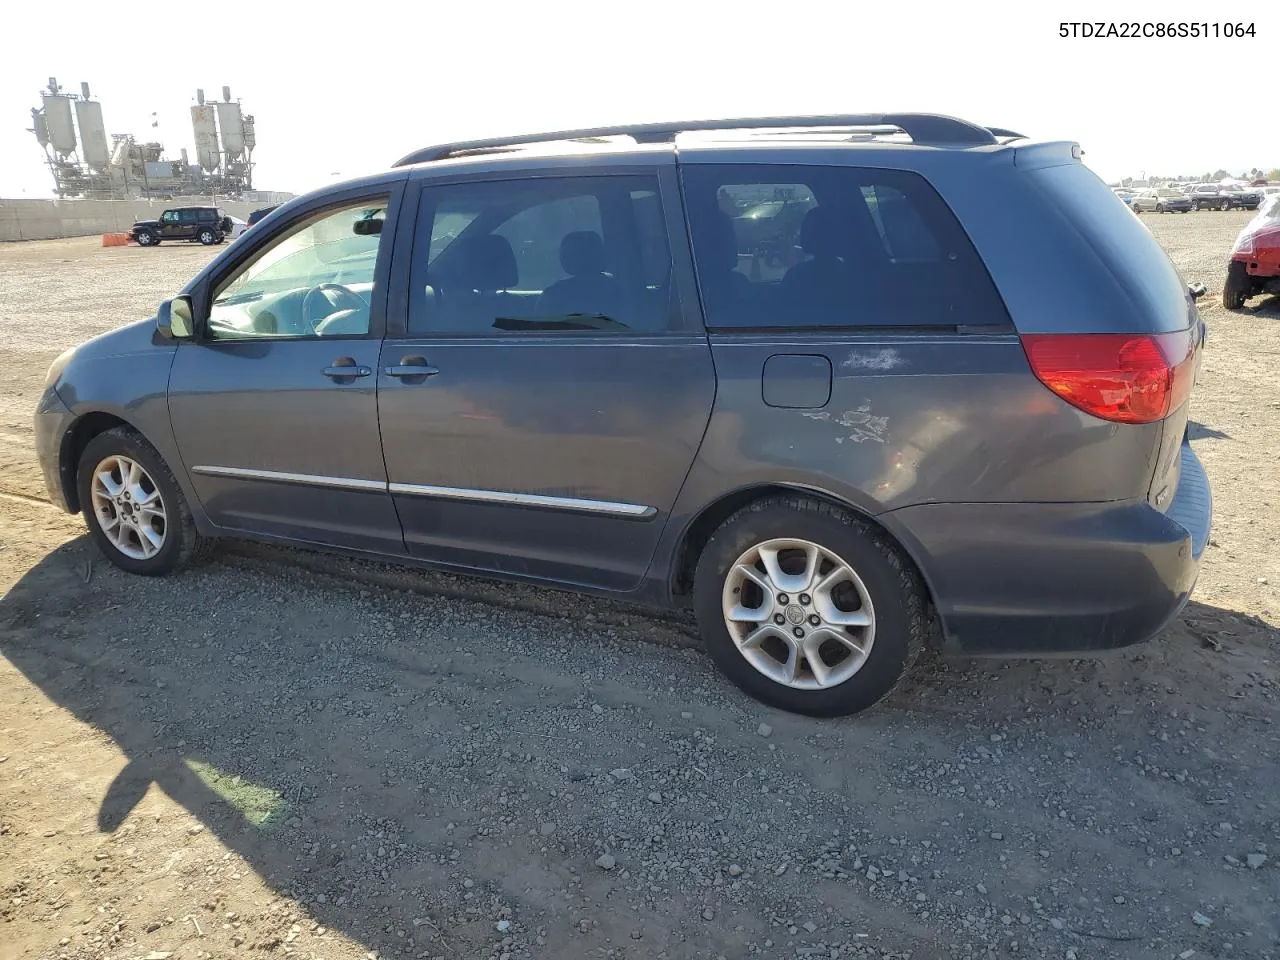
x=1120 y=241
x=547 y=255
x=812 y=246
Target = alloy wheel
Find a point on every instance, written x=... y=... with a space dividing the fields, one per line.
x=798 y=613
x=128 y=506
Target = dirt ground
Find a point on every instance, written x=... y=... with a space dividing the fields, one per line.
x=282 y=754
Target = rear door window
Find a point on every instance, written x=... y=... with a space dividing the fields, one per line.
x=818 y=247
x=542 y=255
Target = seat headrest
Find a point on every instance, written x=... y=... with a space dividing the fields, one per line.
x=485 y=263
x=820 y=233
x=721 y=241
x=582 y=253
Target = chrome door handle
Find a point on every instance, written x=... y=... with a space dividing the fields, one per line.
x=346 y=372
x=410 y=368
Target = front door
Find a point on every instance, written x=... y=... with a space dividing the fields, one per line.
x=171 y=225
x=274 y=406
x=541 y=410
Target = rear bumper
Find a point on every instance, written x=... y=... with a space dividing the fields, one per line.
x=1014 y=578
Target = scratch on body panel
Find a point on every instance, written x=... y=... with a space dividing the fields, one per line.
x=862 y=426
x=872 y=360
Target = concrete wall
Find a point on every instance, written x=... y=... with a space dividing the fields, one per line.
x=51 y=219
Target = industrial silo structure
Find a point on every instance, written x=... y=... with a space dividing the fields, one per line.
x=93 y=133
x=205 y=126
x=57 y=118
x=85 y=162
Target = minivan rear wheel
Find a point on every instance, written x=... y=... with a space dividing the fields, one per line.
x=133 y=506
x=808 y=608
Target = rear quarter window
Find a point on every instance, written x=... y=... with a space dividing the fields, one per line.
x=1121 y=242
x=832 y=247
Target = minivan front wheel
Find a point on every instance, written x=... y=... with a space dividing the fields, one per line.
x=807 y=607
x=133 y=506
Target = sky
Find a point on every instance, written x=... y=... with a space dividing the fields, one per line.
x=338 y=90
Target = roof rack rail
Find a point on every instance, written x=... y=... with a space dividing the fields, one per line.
x=921 y=127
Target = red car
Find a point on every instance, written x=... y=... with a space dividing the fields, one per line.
x=1255 y=259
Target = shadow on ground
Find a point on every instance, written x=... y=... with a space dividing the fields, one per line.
x=1268 y=306
x=364 y=760
x=1198 y=431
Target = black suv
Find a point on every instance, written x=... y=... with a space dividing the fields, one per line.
x=209 y=225
x=260 y=213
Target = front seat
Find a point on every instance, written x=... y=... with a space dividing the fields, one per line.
x=727 y=291
x=473 y=292
x=588 y=289
x=822 y=286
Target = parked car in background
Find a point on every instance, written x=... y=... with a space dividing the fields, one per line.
x=257 y=215
x=208 y=225
x=1125 y=194
x=1254 y=268
x=1239 y=197
x=1161 y=200
x=1207 y=196
x=238 y=227
x=551 y=365
x=1224 y=196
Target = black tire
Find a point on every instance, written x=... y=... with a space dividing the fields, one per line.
x=901 y=612
x=1195 y=205
x=207 y=236
x=1238 y=286
x=1224 y=206
x=182 y=543
x=146 y=239
x=1160 y=208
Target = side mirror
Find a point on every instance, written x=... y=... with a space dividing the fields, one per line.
x=1197 y=290
x=175 y=320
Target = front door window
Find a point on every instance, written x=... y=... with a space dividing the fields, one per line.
x=316 y=280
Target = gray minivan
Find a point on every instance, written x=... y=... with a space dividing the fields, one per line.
x=947 y=402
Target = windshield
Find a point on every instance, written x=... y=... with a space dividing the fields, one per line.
x=762 y=211
x=450 y=222
x=1268 y=215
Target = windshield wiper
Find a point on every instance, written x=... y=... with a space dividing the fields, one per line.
x=570 y=321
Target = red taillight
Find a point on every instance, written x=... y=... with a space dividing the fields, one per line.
x=1126 y=378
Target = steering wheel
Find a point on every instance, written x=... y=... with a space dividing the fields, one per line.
x=336 y=297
